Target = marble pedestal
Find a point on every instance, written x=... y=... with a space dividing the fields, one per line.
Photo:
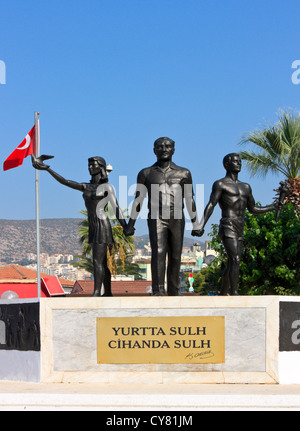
x=69 y=339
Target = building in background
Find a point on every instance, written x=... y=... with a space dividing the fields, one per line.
x=17 y=281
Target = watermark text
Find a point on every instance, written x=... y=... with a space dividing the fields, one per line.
x=296 y=74
x=2 y=72
x=158 y=201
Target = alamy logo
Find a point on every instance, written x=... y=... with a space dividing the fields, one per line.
x=296 y=74
x=165 y=201
x=2 y=72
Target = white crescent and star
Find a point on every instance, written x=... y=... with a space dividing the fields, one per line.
x=27 y=143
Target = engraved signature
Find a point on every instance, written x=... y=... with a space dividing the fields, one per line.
x=202 y=355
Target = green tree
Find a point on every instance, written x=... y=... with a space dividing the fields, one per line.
x=277 y=150
x=270 y=263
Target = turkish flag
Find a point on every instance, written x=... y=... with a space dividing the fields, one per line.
x=26 y=148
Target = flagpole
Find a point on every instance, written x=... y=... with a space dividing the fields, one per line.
x=37 y=202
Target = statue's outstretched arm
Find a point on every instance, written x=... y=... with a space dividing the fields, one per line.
x=38 y=163
x=254 y=209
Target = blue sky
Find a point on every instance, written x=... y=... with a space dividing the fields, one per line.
x=110 y=76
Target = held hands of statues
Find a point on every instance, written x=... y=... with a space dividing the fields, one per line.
x=197 y=232
x=129 y=231
x=38 y=162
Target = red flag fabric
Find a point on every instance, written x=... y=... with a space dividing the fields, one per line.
x=26 y=148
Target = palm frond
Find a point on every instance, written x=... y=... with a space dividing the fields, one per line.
x=261 y=163
x=276 y=148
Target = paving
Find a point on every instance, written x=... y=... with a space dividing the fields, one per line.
x=22 y=396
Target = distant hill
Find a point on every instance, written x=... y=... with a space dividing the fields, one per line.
x=57 y=236
x=18 y=237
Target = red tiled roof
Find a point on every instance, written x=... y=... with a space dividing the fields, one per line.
x=16 y=272
x=86 y=287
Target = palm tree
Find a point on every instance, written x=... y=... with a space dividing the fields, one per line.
x=117 y=255
x=278 y=152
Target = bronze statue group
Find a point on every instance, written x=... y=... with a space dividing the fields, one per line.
x=167 y=186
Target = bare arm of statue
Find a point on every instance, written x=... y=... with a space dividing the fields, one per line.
x=214 y=199
x=254 y=209
x=115 y=205
x=37 y=163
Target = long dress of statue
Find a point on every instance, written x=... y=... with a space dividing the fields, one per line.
x=233 y=197
x=96 y=194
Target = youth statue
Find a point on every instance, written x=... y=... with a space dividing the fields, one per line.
x=233 y=197
x=96 y=194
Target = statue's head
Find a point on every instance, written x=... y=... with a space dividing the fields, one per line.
x=97 y=165
x=164 y=148
x=232 y=162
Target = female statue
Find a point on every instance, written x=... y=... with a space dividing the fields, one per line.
x=96 y=194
